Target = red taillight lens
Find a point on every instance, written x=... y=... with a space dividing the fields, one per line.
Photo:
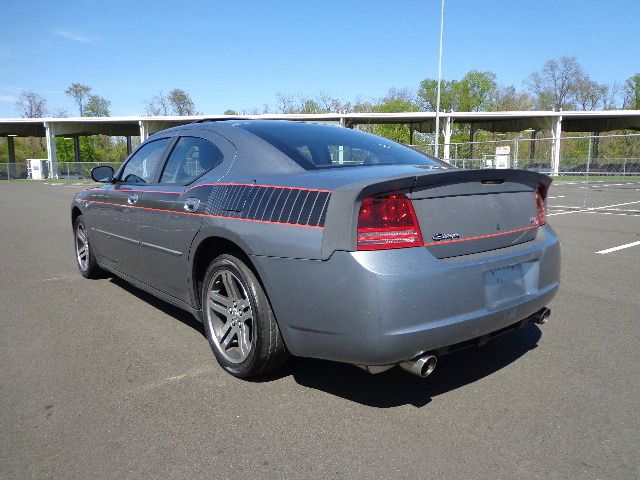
x=388 y=222
x=540 y=195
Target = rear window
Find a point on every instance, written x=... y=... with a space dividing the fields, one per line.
x=325 y=146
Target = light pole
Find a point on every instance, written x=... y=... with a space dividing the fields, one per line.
x=439 y=77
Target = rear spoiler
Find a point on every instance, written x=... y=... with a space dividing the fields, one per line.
x=490 y=174
x=439 y=177
x=342 y=212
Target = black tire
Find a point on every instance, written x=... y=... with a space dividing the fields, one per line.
x=87 y=265
x=264 y=349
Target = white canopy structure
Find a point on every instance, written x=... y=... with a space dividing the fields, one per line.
x=557 y=122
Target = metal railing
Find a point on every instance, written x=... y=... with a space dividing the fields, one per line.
x=568 y=166
x=597 y=155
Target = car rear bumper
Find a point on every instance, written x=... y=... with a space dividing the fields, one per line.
x=383 y=307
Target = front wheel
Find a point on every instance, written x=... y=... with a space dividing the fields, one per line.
x=238 y=320
x=85 y=257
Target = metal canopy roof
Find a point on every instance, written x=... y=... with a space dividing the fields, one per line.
x=574 y=121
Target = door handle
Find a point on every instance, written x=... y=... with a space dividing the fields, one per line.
x=191 y=204
x=132 y=199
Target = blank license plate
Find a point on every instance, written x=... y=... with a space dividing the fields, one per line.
x=504 y=284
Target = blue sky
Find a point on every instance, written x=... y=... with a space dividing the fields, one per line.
x=239 y=54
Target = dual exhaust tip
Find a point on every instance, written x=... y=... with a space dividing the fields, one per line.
x=422 y=366
x=425 y=364
x=542 y=316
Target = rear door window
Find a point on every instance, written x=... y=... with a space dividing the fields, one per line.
x=191 y=157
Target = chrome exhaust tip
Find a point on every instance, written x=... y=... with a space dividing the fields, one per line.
x=542 y=316
x=422 y=366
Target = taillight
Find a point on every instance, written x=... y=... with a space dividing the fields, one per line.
x=388 y=222
x=540 y=195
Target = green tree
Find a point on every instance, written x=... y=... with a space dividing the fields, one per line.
x=79 y=93
x=475 y=92
x=230 y=112
x=181 y=102
x=97 y=106
x=311 y=106
x=89 y=150
x=632 y=92
x=396 y=101
x=427 y=95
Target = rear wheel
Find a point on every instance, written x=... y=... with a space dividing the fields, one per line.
x=85 y=257
x=238 y=319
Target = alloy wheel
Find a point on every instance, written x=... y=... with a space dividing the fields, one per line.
x=82 y=247
x=230 y=316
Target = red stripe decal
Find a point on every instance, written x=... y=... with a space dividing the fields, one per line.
x=222 y=184
x=204 y=215
x=480 y=237
x=145 y=191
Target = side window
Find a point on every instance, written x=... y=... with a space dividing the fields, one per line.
x=142 y=166
x=190 y=158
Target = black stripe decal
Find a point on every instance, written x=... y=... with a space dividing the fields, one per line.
x=269 y=204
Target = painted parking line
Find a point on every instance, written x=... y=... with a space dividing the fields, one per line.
x=556 y=209
x=605 y=212
x=623 y=210
x=557 y=196
x=621 y=247
x=594 y=208
x=594 y=183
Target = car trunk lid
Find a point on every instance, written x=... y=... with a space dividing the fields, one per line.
x=465 y=212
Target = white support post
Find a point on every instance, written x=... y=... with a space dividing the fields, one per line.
x=447 y=138
x=555 y=151
x=144 y=130
x=52 y=155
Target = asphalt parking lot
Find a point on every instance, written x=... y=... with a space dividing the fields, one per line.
x=100 y=380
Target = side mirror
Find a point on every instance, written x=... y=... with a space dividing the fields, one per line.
x=102 y=174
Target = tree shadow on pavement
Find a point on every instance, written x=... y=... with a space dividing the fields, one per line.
x=397 y=387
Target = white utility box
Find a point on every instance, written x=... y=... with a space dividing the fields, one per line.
x=37 y=169
x=502 y=157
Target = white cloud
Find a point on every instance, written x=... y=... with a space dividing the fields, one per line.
x=71 y=36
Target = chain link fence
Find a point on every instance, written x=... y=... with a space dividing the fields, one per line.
x=580 y=155
x=597 y=155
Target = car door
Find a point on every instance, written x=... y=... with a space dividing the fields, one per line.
x=172 y=209
x=113 y=213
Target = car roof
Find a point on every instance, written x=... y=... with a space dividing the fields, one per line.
x=220 y=126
